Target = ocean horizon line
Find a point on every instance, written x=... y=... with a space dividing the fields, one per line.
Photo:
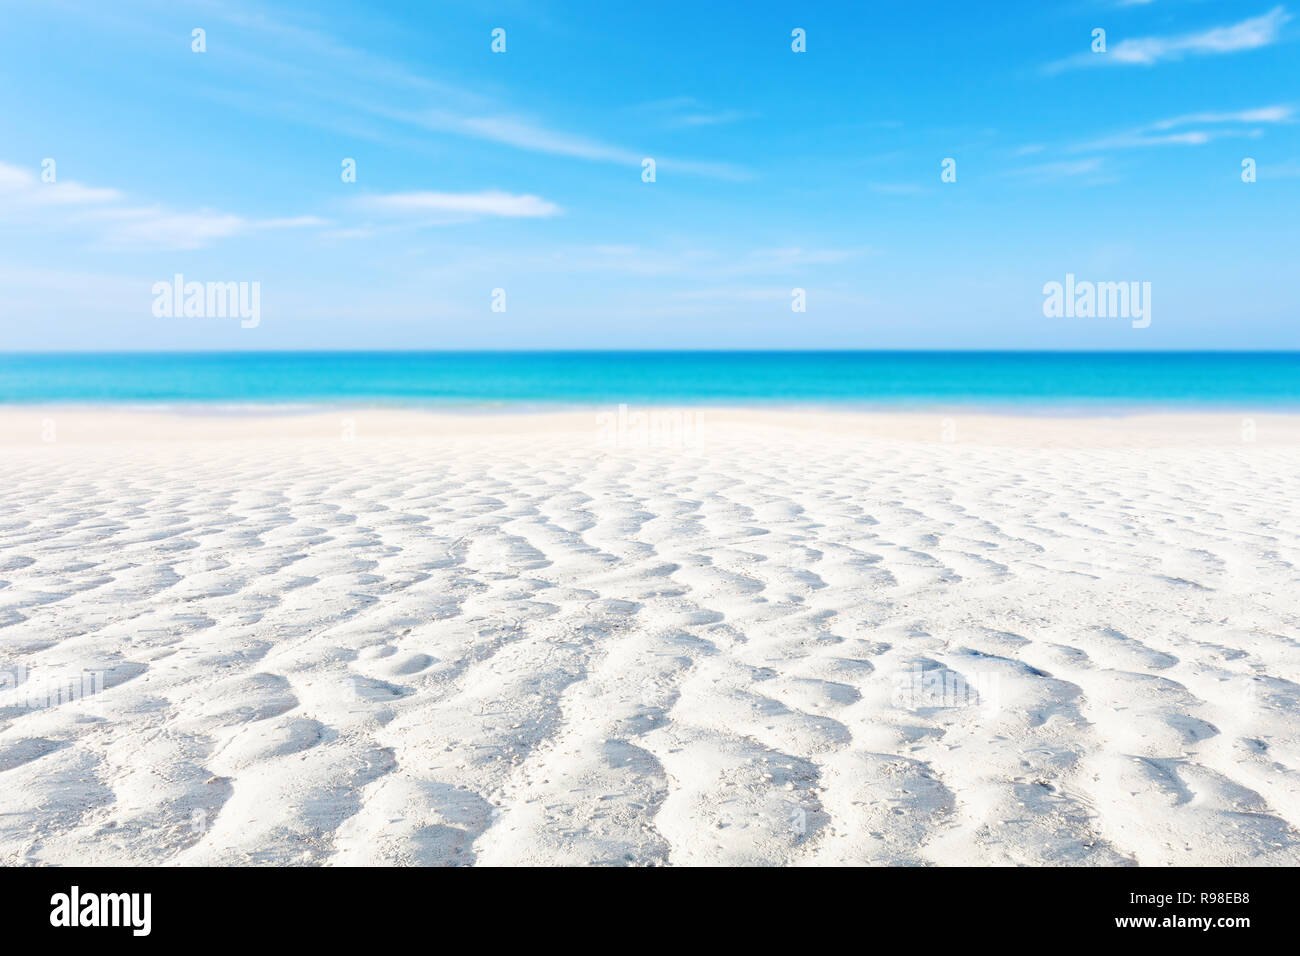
x=915 y=379
x=15 y=353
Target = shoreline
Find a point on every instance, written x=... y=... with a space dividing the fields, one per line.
x=663 y=428
x=1008 y=409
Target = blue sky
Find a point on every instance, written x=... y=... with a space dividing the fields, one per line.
x=775 y=170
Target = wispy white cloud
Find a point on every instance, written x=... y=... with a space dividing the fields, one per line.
x=105 y=217
x=526 y=134
x=1211 y=126
x=160 y=228
x=714 y=119
x=18 y=185
x=687 y=111
x=1062 y=169
x=334 y=73
x=486 y=203
x=1281 y=113
x=682 y=262
x=1249 y=34
x=797 y=256
x=743 y=295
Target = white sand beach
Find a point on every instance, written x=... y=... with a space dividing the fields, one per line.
x=749 y=637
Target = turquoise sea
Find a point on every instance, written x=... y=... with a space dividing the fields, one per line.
x=1020 y=380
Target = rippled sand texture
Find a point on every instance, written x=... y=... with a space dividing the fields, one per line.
x=500 y=641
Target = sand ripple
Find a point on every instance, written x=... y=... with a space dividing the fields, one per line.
x=779 y=645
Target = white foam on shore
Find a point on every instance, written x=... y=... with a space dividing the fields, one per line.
x=396 y=637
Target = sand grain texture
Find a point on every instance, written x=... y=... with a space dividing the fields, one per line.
x=499 y=640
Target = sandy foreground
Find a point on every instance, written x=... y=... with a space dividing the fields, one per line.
x=735 y=637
